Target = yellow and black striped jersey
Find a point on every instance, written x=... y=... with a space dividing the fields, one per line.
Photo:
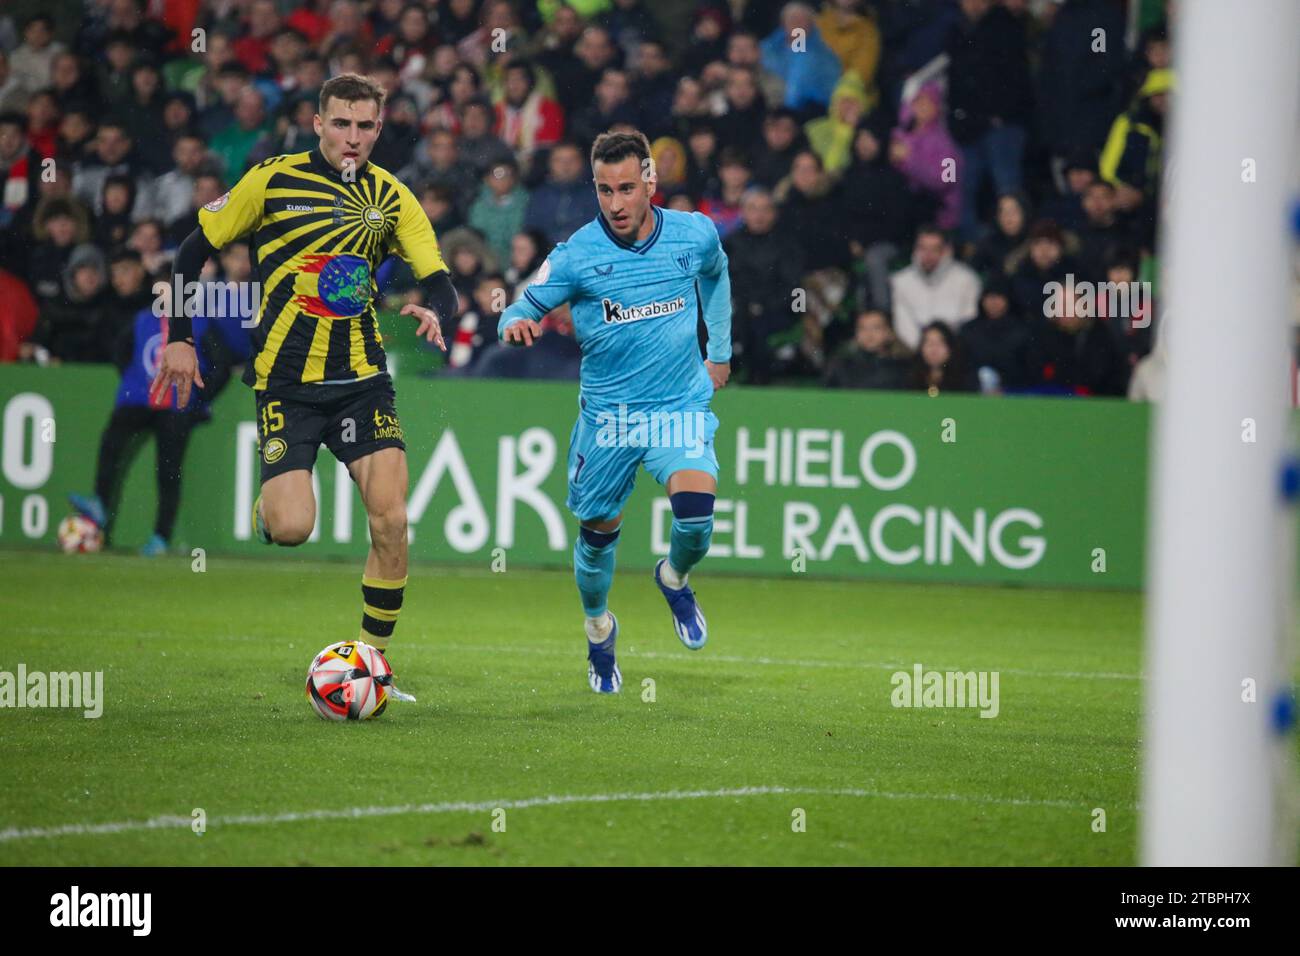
x=316 y=243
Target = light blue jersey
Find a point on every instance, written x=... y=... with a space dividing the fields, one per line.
x=636 y=309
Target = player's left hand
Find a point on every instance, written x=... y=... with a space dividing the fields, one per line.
x=719 y=372
x=429 y=326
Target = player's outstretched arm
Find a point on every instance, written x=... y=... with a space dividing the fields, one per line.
x=443 y=305
x=179 y=365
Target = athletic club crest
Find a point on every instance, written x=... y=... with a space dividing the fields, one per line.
x=683 y=260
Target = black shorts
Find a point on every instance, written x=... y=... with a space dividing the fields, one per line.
x=353 y=420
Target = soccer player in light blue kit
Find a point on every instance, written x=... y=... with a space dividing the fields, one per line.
x=637 y=278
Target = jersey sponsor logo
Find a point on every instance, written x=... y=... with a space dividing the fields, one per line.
x=543 y=273
x=216 y=204
x=604 y=270
x=617 y=312
x=298 y=207
x=387 y=426
x=344 y=285
x=274 y=450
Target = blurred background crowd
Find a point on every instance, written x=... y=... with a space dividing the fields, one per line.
x=899 y=184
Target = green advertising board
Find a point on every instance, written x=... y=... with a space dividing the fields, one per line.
x=895 y=486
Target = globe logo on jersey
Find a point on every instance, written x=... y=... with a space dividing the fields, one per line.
x=344 y=285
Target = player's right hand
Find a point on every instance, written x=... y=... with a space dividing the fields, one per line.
x=524 y=332
x=179 y=366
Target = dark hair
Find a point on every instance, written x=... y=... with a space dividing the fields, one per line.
x=527 y=67
x=1046 y=229
x=930 y=229
x=732 y=156
x=439 y=191
x=955 y=375
x=13 y=118
x=124 y=254
x=615 y=147
x=476 y=102
x=351 y=87
x=40 y=18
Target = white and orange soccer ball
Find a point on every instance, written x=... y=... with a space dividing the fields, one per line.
x=77 y=534
x=349 y=681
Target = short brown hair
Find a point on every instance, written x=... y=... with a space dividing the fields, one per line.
x=350 y=87
x=613 y=147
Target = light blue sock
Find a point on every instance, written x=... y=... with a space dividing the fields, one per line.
x=692 y=529
x=593 y=567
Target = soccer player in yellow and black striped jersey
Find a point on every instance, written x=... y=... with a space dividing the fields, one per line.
x=321 y=222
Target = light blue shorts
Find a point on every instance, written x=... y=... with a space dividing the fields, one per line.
x=606 y=448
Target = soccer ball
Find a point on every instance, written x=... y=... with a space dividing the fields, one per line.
x=349 y=681
x=77 y=534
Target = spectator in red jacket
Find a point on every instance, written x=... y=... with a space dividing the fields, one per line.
x=525 y=119
x=18 y=314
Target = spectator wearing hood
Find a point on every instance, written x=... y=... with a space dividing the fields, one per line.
x=934 y=286
x=831 y=136
x=996 y=339
x=879 y=212
x=808 y=66
x=61 y=225
x=1009 y=232
x=400 y=136
x=1131 y=158
x=74 y=327
x=855 y=38
x=113 y=224
x=143 y=114
x=924 y=152
x=669 y=158
x=709 y=37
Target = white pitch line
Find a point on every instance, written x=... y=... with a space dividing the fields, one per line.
x=774 y=661
x=486 y=806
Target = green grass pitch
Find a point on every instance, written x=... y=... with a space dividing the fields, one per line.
x=788 y=708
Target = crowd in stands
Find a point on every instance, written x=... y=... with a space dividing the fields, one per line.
x=903 y=187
